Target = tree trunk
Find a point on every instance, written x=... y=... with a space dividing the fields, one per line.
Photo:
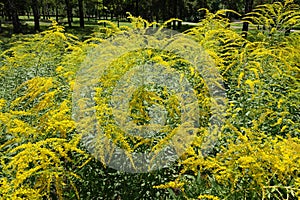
x=69 y=12
x=81 y=15
x=174 y=13
x=163 y=6
x=35 y=10
x=15 y=17
x=43 y=9
x=48 y=11
x=137 y=8
x=7 y=12
x=56 y=13
x=181 y=7
x=248 y=8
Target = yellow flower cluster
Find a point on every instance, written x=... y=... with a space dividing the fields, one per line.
x=206 y=196
x=38 y=140
x=258 y=149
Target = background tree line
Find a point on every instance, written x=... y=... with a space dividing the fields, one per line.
x=152 y=10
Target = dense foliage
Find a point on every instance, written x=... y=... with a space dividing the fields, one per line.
x=256 y=154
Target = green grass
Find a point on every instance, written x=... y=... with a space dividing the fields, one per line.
x=90 y=25
x=28 y=26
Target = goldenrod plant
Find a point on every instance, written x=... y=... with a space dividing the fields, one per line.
x=39 y=147
x=262 y=81
x=274 y=19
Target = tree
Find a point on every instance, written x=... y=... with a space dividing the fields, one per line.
x=69 y=12
x=13 y=10
x=248 y=8
x=81 y=15
x=35 y=10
